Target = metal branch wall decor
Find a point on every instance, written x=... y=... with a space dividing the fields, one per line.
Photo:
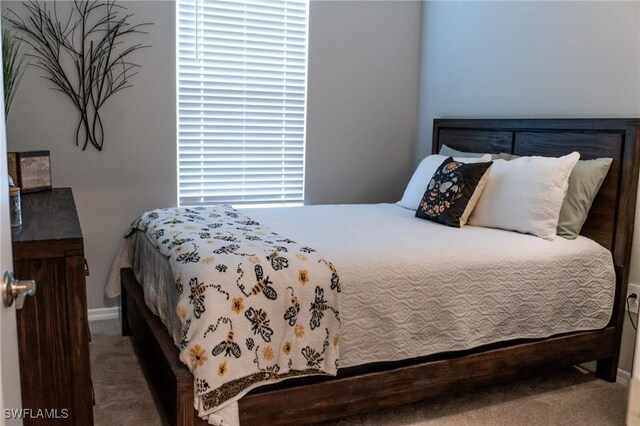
x=84 y=53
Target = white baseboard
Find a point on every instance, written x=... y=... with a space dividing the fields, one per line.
x=103 y=314
x=623 y=377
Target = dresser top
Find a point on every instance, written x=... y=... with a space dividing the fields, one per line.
x=48 y=217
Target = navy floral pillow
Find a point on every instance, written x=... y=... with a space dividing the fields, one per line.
x=453 y=192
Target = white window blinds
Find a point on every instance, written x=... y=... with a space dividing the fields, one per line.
x=242 y=75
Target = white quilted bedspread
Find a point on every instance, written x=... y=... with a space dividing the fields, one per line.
x=413 y=288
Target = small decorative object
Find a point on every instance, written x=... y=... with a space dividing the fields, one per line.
x=84 y=54
x=31 y=171
x=13 y=67
x=15 y=206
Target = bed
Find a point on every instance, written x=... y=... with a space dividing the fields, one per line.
x=388 y=356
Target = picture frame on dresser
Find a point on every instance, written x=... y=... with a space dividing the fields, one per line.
x=30 y=170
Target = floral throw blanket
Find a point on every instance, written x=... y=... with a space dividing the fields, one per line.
x=256 y=308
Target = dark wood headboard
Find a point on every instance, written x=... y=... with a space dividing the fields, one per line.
x=610 y=220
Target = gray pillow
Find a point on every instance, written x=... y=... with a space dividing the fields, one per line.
x=584 y=183
x=508 y=157
x=450 y=152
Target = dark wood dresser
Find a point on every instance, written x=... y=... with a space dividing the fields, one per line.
x=53 y=332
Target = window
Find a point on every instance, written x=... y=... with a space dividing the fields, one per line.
x=242 y=76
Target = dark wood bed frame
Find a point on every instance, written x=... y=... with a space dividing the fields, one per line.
x=372 y=387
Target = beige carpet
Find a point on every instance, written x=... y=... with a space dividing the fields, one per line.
x=567 y=397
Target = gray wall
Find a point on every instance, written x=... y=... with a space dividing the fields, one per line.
x=362 y=100
x=362 y=112
x=136 y=170
x=531 y=59
x=528 y=59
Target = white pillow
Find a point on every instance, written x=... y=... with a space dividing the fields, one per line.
x=525 y=195
x=423 y=174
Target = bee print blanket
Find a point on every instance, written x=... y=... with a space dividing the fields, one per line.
x=255 y=307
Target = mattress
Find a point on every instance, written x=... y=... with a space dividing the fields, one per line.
x=412 y=288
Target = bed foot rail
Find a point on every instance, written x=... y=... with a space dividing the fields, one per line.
x=170 y=378
x=607 y=369
x=124 y=317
